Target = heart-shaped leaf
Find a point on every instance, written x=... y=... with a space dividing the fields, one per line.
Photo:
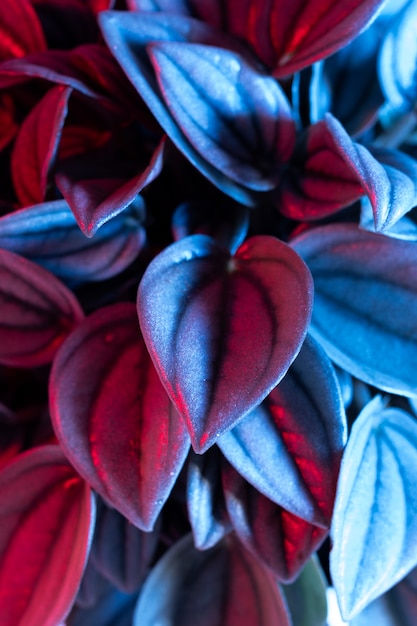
x=290 y=447
x=113 y=417
x=222 y=586
x=196 y=304
x=278 y=539
x=206 y=507
x=36 y=146
x=49 y=235
x=37 y=312
x=365 y=303
x=46 y=522
x=374 y=528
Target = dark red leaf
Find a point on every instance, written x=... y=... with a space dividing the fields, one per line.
x=36 y=312
x=8 y=123
x=280 y=540
x=113 y=417
x=46 y=521
x=20 y=30
x=36 y=146
x=196 y=304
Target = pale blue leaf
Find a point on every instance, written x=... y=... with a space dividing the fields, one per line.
x=374 y=528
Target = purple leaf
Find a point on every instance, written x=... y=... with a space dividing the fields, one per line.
x=37 y=312
x=225 y=586
x=121 y=552
x=237 y=118
x=206 y=507
x=365 y=303
x=36 y=146
x=196 y=304
x=49 y=235
x=374 y=528
x=278 y=539
x=129 y=446
x=289 y=448
x=20 y=30
x=98 y=189
x=47 y=517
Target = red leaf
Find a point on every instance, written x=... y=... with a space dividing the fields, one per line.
x=20 y=30
x=221 y=330
x=36 y=146
x=36 y=312
x=113 y=417
x=46 y=519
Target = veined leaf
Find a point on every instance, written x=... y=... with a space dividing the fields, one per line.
x=113 y=417
x=46 y=523
x=223 y=586
x=196 y=304
x=374 y=528
x=365 y=306
x=289 y=448
x=37 y=312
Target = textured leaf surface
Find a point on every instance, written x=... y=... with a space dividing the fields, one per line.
x=365 y=306
x=195 y=305
x=237 y=118
x=49 y=235
x=129 y=445
x=278 y=539
x=222 y=586
x=37 y=312
x=36 y=146
x=47 y=517
x=290 y=447
x=374 y=528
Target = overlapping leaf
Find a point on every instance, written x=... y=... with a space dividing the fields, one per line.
x=20 y=30
x=36 y=146
x=47 y=517
x=306 y=596
x=206 y=507
x=232 y=111
x=129 y=446
x=365 y=306
x=37 y=312
x=281 y=541
x=196 y=305
x=290 y=447
x=49 y=235
x=374 y=528
x=222 y=586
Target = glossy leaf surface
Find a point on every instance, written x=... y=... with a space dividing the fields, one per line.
x=374 y=528
x=365 y=303
x=222 y=586
x=47 y=517
x=37 y=312
x=129 y=446
x=195 y=305
x=289 y=448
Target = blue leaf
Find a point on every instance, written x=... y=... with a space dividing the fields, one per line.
x=374 y=528
x=49 y=235
x=290 y=447
x=222 y=586
x=365 y=307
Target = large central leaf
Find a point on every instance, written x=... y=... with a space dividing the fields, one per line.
x=221 y=330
